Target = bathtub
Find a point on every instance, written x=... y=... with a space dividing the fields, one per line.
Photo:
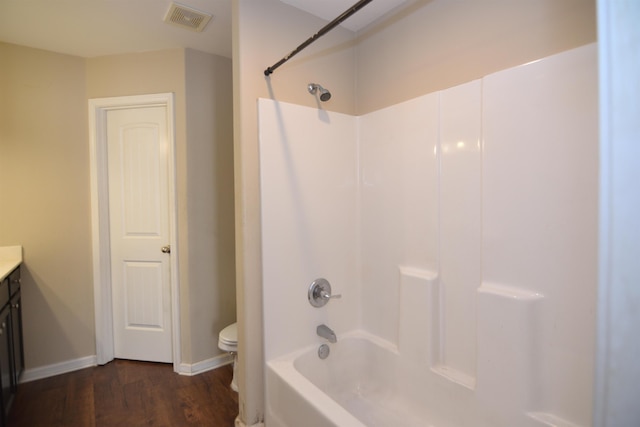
x=360 y=384
x=367 y=382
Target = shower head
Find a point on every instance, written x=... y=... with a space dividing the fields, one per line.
x=313 y=88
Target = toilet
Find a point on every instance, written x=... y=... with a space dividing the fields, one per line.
x=228 y=341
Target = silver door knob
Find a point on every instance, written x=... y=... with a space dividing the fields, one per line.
x=166 y=249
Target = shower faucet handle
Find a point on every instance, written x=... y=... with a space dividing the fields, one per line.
x=329 y=296
x=320 y=293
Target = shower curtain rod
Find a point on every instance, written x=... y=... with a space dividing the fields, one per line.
x=324 y=30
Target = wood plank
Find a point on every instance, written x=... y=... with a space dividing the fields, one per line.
x=127 y=393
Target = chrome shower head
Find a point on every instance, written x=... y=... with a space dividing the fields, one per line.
x=313 y=88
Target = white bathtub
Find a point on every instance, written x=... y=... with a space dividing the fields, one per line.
x=366 y=382
x=359 y=384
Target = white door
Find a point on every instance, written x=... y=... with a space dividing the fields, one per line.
x=137 y=146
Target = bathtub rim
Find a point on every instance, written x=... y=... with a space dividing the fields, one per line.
x=284 y=368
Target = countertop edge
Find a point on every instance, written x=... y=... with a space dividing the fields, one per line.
x=10 y=258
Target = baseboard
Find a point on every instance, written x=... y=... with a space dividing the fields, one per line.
x=239 y=423
x=89 y=361
x=205 y=365
x=57 y=369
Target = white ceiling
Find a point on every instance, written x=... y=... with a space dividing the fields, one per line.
x=90 y=28
x=330 y=9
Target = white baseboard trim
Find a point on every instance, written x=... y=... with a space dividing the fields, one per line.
x=57 y=369
x=205 y=365
x=89 y=361
x=239 y=423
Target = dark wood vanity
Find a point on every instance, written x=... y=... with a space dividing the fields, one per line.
x=11 y=341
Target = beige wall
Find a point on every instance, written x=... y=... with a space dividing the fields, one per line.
x=44 y=151
x=426 y=46
x=436 y=44
x=45 y=194
x=209 y=177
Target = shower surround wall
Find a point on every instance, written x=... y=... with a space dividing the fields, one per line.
x=309 y=221
x=460 y=227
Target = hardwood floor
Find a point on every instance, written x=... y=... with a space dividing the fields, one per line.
x=127 y=393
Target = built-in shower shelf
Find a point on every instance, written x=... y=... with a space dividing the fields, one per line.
x=455 y=376
x=509 y=292
x=550 y=420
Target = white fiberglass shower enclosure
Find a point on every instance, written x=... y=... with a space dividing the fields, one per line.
x=460 y=229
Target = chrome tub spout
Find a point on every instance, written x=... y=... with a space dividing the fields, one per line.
x=325 y=332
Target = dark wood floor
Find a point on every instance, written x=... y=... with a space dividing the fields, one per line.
x=127 y=393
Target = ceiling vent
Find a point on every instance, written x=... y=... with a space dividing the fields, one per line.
x=186 y=17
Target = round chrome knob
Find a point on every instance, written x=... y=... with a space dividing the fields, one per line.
x=320 y=292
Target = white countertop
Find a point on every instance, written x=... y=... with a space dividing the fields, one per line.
x=10 y=258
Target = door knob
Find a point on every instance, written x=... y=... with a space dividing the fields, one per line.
x=166 y=249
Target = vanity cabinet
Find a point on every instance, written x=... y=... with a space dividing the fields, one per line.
x=16 y=340
x=5 y=361
x=11 y=346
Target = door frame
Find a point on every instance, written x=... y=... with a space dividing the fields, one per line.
x=98 y=109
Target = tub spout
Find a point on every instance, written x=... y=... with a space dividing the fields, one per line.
x=325 y=332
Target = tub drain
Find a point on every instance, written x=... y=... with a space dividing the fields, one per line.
x=323 y=351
